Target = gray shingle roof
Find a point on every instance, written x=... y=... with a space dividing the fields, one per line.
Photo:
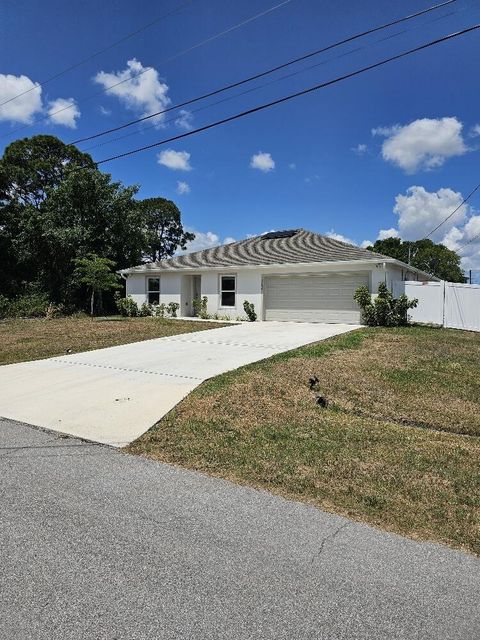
x=302 y=246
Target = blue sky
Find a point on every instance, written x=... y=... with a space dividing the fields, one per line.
x=394 y=149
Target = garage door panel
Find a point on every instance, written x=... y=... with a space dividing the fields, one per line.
x=313 y=298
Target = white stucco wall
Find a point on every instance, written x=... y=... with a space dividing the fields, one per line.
x=170 y=287
x=178 y=287
x=135 y=286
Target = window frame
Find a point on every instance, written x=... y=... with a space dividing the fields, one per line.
x=149 y=291
x=222 y=291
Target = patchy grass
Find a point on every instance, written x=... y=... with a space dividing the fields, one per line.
x=22 y=340
x=398 y=446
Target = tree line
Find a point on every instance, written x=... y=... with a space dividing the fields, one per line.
x=64 y=225
x=58 y=210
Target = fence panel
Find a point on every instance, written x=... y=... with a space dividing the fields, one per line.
x=462 y=306
x=430 y=300
x=448 y=304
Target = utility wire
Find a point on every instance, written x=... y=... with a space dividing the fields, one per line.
x=99 y=52
x=267 y=71
x=454 y=211
x=291 y=96
x=475 y=237
x=263 y=85
x=170 y=59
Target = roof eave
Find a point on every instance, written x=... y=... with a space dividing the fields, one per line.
x=366 y=261
x=409 y=267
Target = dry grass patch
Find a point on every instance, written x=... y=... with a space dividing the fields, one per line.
x=398 y=446
x=32 y=339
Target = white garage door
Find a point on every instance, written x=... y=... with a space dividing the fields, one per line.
x=318 y=298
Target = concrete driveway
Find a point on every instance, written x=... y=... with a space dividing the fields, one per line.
x=100 y=545
x=114 y=395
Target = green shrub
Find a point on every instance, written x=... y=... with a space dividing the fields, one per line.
x=200 y=308
x=172 y=308
x=127 y=307
x=385 y=310
x=4 y=307
x=145 y=310
x=29 y=305
x=159 y=310
x=249 y=309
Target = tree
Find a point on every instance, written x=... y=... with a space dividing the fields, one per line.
x=425 y=255
x=56 y=207
x=97 y=274
x=164 y=231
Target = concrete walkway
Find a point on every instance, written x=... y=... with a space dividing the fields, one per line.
x=97 y=544
x=114 y=395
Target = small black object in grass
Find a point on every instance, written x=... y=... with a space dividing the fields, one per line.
x=68 y=351
x=322 y=402
x=313 y=381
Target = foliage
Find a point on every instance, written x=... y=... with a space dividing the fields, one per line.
x=57 y=207
x=127 y=307
x=146 y=310
x=249 y=309
x=30 y=305
x=425 y=255
x=159 y=310
x=385 y=310
x=97 y=274
x=4 y=307
x=200 y=308
x=172 y=308
x=163 y=228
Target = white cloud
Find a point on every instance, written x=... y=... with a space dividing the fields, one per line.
x=360 y=149
x=184 y=120
x=292 y=166
x=457 y=238
x=262 y=161
x=422 y=144
x=419 y=211
x=384 y=234
x=23 y=108
x=338 y=236
x=205 y=240
x=104 y=111
x=63 y=111
x=475 y=131
x=182 y=187
x=176 y=160
x=366 y=243
x=143 y=94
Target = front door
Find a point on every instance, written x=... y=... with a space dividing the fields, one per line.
x=197 y=288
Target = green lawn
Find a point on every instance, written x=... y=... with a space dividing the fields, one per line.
x=31 y=339
x=398 y=446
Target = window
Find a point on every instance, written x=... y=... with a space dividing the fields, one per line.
x=227 y=291
x=153 y=290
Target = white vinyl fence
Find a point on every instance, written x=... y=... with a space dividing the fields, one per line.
x=448 y=304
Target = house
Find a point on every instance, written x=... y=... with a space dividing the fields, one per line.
x=288 y=275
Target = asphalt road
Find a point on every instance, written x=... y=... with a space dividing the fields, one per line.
x=96 y=544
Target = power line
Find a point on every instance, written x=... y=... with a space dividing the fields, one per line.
x=259 y=87
x=475 y=237
x=267 y=71
x=454 y=211
x=292 y=95
x=99 y=52
x=170 y=59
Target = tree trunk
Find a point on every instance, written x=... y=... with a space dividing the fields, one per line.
x=92 y=303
